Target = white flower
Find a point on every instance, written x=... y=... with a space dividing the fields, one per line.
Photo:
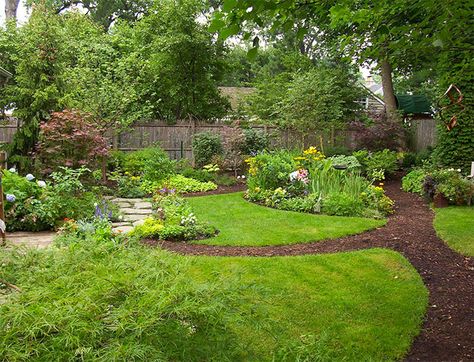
x=293 y=176
x=30 y=177
x=96 y=204
x=238 y=177
x=243 y=176
x=41 y=183
x=459 y=170
x=12 y=170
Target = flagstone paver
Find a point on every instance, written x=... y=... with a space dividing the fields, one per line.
x=134 y=212
x=34 y=239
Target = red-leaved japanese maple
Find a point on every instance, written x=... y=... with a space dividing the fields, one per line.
x=70 y=138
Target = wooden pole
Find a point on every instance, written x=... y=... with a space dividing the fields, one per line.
x=3 y=161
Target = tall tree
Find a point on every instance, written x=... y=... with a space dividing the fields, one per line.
x=364 y=30
x=104 y=12
x=11 y=7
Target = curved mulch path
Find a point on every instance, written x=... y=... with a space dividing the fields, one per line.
x=448 y=330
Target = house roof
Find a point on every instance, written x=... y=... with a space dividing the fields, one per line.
x=375 y=88
x=5 y=73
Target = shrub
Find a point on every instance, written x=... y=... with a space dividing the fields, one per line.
x=174 y=221
x=206 y=145
x=269 y=171
x=151 y=228
x=450 y=183
x=70 y=138
x=254 y=141
x=36 y=207
x=385 y=162
x=379 y=133
x=376 y=202
x=413 y=181
x=342 y=204
x=152 y=164
x=197 y=174
x=180 y=184
x=309 y=204
x=128 y=186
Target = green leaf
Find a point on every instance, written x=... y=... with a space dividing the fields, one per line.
x=229 y=31
x=252 y=53
x=229 y=5
x=216 y=25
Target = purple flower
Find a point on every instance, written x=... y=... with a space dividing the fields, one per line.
x=11 y=198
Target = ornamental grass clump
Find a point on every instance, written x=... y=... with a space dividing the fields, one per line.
x=103 y=300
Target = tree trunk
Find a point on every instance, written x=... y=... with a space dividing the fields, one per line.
x=388 y=92
x=11 y=7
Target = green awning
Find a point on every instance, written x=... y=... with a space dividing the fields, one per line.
x=413 y=104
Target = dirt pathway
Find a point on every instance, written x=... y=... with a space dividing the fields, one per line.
x=448 y=330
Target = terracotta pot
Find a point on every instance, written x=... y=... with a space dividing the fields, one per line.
x=440 y=201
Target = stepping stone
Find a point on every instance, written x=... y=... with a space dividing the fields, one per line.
x=133 y=201
x=143 y=205
x=119 y=224
x=123 y=229
x=129 y=211
x=138 y=222
x=136 y=217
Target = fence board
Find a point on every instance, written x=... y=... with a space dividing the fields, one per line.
x=170 y=137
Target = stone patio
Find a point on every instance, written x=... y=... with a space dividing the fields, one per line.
x=33 y=239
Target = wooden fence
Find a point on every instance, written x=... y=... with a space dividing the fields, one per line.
x=176 y=139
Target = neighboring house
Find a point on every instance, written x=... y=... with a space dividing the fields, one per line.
x=416 y=110
x=236 y=95
x=4 y=75
x=411 y=105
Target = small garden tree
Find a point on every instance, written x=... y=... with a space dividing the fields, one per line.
x=71 y=139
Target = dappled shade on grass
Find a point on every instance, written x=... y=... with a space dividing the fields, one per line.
x=245 y=224
x=455 y=225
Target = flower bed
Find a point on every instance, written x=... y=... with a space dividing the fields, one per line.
x=310 y=182
x=432 y=182
x=173 y=220
x=36 y=205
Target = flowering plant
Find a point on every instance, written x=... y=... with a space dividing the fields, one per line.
x=301 y=175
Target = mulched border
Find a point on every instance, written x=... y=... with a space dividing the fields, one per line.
x=220 y=190
x=448 y=329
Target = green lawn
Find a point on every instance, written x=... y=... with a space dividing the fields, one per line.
x=358 y=306
x=455 y=225
x=106 y=302
x=245 y=224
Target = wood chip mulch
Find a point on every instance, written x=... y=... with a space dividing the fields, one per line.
x=448 y=329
